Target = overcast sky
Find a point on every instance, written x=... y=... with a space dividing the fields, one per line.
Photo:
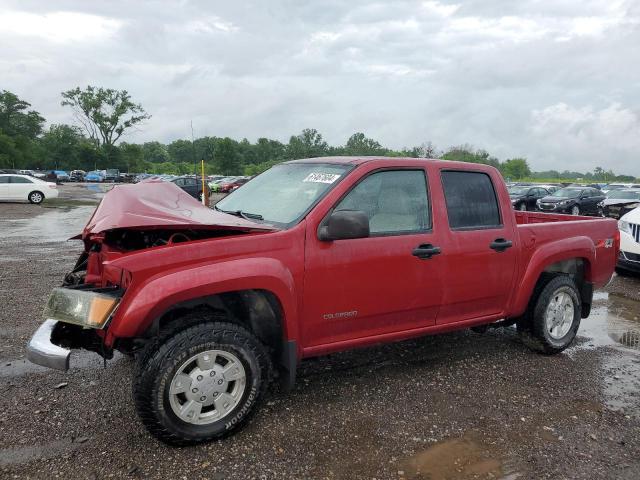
x=556 y=81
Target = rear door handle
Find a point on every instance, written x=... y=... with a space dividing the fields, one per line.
x=500 y=244
x=426 y=251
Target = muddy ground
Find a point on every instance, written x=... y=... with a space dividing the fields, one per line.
x=455 y=406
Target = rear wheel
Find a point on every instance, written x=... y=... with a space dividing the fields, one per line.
x=36 y=197
x=553 y=318
x=201 y=383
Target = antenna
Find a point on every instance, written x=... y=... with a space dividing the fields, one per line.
x=193 y=148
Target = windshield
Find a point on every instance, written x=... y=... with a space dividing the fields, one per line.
x=567 y=192
x=518 y=190
x=623 y=195
x=284 y=193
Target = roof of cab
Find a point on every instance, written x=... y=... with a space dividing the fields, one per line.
x=353 y=160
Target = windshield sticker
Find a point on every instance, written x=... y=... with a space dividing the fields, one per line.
x=317 y=177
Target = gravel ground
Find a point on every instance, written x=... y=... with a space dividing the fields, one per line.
x=455 y=406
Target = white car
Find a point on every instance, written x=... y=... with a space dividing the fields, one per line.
x=629 y=259
x=25 y=188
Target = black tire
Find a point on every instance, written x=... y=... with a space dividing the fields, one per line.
x=36 y=197
x=158 y=364
x=532 y=325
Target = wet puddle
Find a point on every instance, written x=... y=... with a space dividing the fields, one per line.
x=54 y=225
x=615 y=323
x=457 y=459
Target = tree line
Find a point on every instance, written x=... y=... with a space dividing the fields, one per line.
x=104 y=116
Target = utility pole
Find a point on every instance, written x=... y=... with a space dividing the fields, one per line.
x=193 y=147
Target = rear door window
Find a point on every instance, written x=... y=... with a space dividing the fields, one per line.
x=471 y=200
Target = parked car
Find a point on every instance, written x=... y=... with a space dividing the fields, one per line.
x=619 y=202
x=26 y=188
x=192 y=185
x=311 y=257
x=614 y=186
x=573 y=200
x=61 y=175
x=77 y=175
x=112 y=175
x=524 y=198
x=629 y=259
x=94 y=176
x=234 y=185
x=217 y=185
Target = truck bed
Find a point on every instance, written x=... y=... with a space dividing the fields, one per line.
x=599 y=235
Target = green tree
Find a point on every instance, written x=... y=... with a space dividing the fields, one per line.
x=307 y=144
x=359 y=144
x=155 y=152
x=61 y=147
x=181 y=151
x=516 y=168
x=132 y=158
x=227 y=158
x=19 y=129
x=105 y=114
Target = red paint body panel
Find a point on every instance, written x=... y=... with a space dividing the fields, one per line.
x=320 y=284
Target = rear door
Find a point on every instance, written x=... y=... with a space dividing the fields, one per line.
x=370 y=286
x=479 y=256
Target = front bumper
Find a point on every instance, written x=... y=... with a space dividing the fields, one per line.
x=629 y=261
x=42 y=351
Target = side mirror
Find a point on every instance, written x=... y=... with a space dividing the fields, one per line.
x=344 y=224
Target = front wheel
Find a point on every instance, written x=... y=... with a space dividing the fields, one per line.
x=201 y=383
x=522 y=207
x=575 y=210
x=554 y=318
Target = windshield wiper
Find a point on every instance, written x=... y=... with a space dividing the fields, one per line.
x=240 y=213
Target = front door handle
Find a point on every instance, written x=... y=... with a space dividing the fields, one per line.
x=500 y=244
x=426 y=251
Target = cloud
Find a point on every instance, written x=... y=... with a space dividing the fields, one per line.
x=552 y=81
x=572 y=136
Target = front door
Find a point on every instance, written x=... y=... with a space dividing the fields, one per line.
x=385 y=283
x=4 y=187
x=479 y=258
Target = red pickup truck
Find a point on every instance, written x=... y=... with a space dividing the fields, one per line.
x=311 y=257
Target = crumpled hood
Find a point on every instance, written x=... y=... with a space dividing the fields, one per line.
x=159 y=204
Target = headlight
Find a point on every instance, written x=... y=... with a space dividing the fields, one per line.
x=514 y=200
x=633 y=205
x=88 y=309
x=565 y=202
x=539 y=201
x=624 y=226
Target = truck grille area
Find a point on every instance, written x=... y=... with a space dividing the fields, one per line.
x=547 y=206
